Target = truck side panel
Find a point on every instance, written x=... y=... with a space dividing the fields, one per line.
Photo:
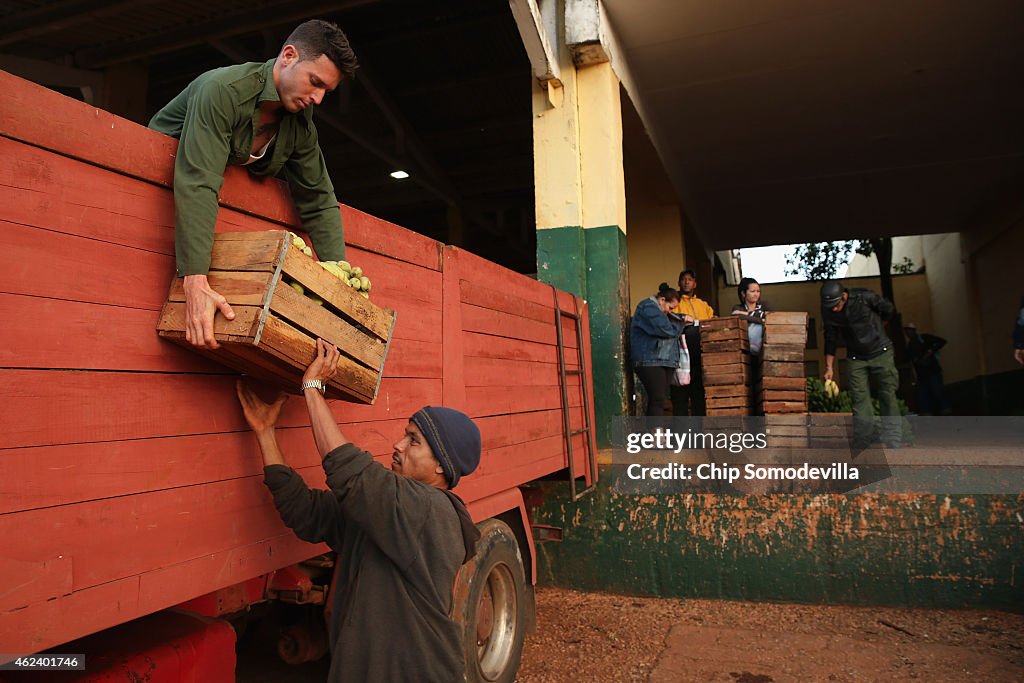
x=131 y=481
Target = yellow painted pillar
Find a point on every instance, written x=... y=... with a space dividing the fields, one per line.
x=581 y=216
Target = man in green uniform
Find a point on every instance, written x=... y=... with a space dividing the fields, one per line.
x=258 y=115
x=857 y=315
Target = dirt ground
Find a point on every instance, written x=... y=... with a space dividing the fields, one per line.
x=601 y=637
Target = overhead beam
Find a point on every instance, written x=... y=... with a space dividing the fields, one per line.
x=539 y=31
x=247 y=20
x=57 y=16
x=55 y=75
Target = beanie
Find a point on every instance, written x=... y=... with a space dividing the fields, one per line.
x=454 y=439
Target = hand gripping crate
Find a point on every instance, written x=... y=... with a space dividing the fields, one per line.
x=273 y=335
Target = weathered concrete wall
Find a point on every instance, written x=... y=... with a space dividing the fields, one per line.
x=908 y=550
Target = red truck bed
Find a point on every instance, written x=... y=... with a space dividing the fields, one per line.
x=130 y=482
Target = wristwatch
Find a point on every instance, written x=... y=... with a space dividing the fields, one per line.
x=314 y=384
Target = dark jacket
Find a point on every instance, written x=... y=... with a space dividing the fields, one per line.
x=922 y=349
x=860 y=323
x=653 y=336
x=400 y=543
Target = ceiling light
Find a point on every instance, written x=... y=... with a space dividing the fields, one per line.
x=399 y=175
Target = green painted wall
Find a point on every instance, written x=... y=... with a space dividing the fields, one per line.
x=592 y=263
x=908 y=550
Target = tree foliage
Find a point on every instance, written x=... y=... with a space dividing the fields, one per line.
x=819 y=260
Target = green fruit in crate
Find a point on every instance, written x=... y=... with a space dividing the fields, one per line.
x=298 y=241
x=345 y=266
x=354 y=283
x=357 y=271
x=317 y=300
x=364 y=283
x=365 y=295
x=297 y=287
x=307 y=251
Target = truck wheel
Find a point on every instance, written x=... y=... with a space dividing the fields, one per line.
x=491 y=595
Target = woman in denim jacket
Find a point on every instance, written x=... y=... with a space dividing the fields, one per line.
x=654 y=345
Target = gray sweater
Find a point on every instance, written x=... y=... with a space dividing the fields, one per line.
x=400 y=543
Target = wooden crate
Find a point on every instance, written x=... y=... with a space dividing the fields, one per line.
x=273 y=335
x=725 y=358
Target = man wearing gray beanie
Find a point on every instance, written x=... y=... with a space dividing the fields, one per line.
x=401 y=535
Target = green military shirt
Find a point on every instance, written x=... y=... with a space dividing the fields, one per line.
x=215 y=119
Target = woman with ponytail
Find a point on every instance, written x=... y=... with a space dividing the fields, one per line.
x=654 y=345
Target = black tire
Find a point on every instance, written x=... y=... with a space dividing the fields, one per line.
x=493 y=606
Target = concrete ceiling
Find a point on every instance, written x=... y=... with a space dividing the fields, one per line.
x=783 y=121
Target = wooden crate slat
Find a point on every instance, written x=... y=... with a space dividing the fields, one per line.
x=238 y=288
x=727 y=345
x=782 y=369
x=721 y=335
x=726 y=390
x=786 y=420
x=783 y=353
x=724 y=358
x=728 y=402
x=262 y=252
x=783 y=395
x=727 y=411
x=785 y=331
x=287 y=343
x=785 y=383
x=313 y=277
x=785 y=339
x=319 y=322
x=730 y=322
x=784 y=407
x=171 y=324
x=786 y=318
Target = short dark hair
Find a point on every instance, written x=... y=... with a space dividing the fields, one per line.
x=689 y=271
x=318 y=37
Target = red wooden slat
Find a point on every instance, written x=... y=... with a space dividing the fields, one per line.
x=477 y=270
x=117 y=468
x=47 y=623
x=84 y=407
x=483 y=372
x=500 y=324
x=79 y=131
x=502 y=400
x=481 y=295
x=486 y=346
x=47 y=333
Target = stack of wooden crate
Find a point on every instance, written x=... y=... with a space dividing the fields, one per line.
x=725 y=357
x=782 y=392
x=783 y=387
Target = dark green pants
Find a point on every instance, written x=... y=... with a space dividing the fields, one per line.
x=883 y=370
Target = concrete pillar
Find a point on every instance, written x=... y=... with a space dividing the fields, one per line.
x=581 y=216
